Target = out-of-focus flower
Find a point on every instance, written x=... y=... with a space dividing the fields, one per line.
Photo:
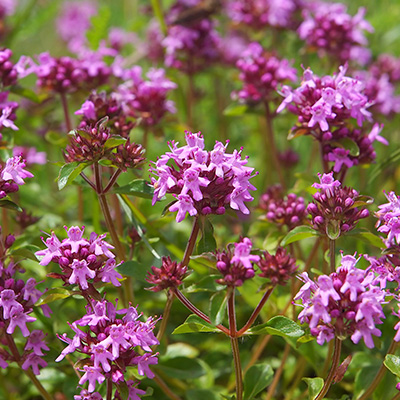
x=203 y=182
x=8 y=72
x=261 y=74
x=344 y=303
x=30 y=155
x=287 y=210
x=331 y=30
x=146 y=99
x=389 y=219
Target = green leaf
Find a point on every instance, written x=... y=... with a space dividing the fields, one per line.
x=299 y=233
x=333 y=229
x=348 y=144
x=134 y=269
x=182 y=368
x=195 y=324
x=26 y=252
x=114 y=141
x=257 y=378
x=207 y=243
x=367 y=237
x=99 y=28
x=69 y=172
x=392 y=363
x=218 y=307
x=235 y=110
x=279 y=326
x=10 y=205
x=53 y=295
x=206 y=284
x=138 y=187
x=56 y=138
x=201 y=394
x=315 y=385
x=362 y=200
x=26 y=93
x=363 y=379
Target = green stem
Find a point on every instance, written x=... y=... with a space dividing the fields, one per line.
x=163 y=386
x=335 y=363
x=382 y=370
x=255 y=313
x=272 y=149
x=14 y=350
x=235 y=344
x=158 y=12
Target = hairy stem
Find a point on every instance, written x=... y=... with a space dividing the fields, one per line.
x=191 y=242
x=14 y=350
x=186 y=302
x=235 y=344
x=165 y=315
x=379 y=375
x=112 y=180
x=272 y=149
x=109 y=388
x=255 y=313
x=332 y=372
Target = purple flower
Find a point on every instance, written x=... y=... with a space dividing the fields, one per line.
x=109 y=274
x=242 y=254
x=7 y=301
x=93 y=375
x=14 y=170
x=202 y=182
x=36 y=343
x=19 y=318
x=80 y=272
x=345 y=303
x=34 y=361
x=30 y=155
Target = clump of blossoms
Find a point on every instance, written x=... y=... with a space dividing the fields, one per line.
x=100 y=105
x=261 y=74
x=8 y=116
x=389 y=219
x=170 y=274
x=12 y=176
x=278 y=268
x=334 y=210
x=83 y=262
x=202 y=182
x=288 y=210
x=332 y=31
x=190 y=46
x=236 y=263
x=8 y=71
x=342 y=304
x=89 y=144
x=146 y=99
x=110 y=341
x=17 y=299
x=325 y=108
x=259 y=14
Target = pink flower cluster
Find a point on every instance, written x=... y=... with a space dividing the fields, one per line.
x=332 y=31
x=81 y=259
x=7 y=109
x=389 y=219
x=325 y=108
x=261 y=74
x=111 y=340
x=8 y=71
x=283 y=210
x=17 y=299
x=334 y=209
x=12 y=176
x=146 y=99
x=259 y=14
x=203 y=182
x=344 y=303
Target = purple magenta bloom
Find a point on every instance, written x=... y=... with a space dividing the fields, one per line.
x=14 y=170
x=34 y=361
x=36 y=343
x=143 y=363
x=80 y=272
x=19 y=318
x=109 y=274
x=93 y=375
x=242 y=254
x=7 y=301
x=30 y=155
x=53 y=249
